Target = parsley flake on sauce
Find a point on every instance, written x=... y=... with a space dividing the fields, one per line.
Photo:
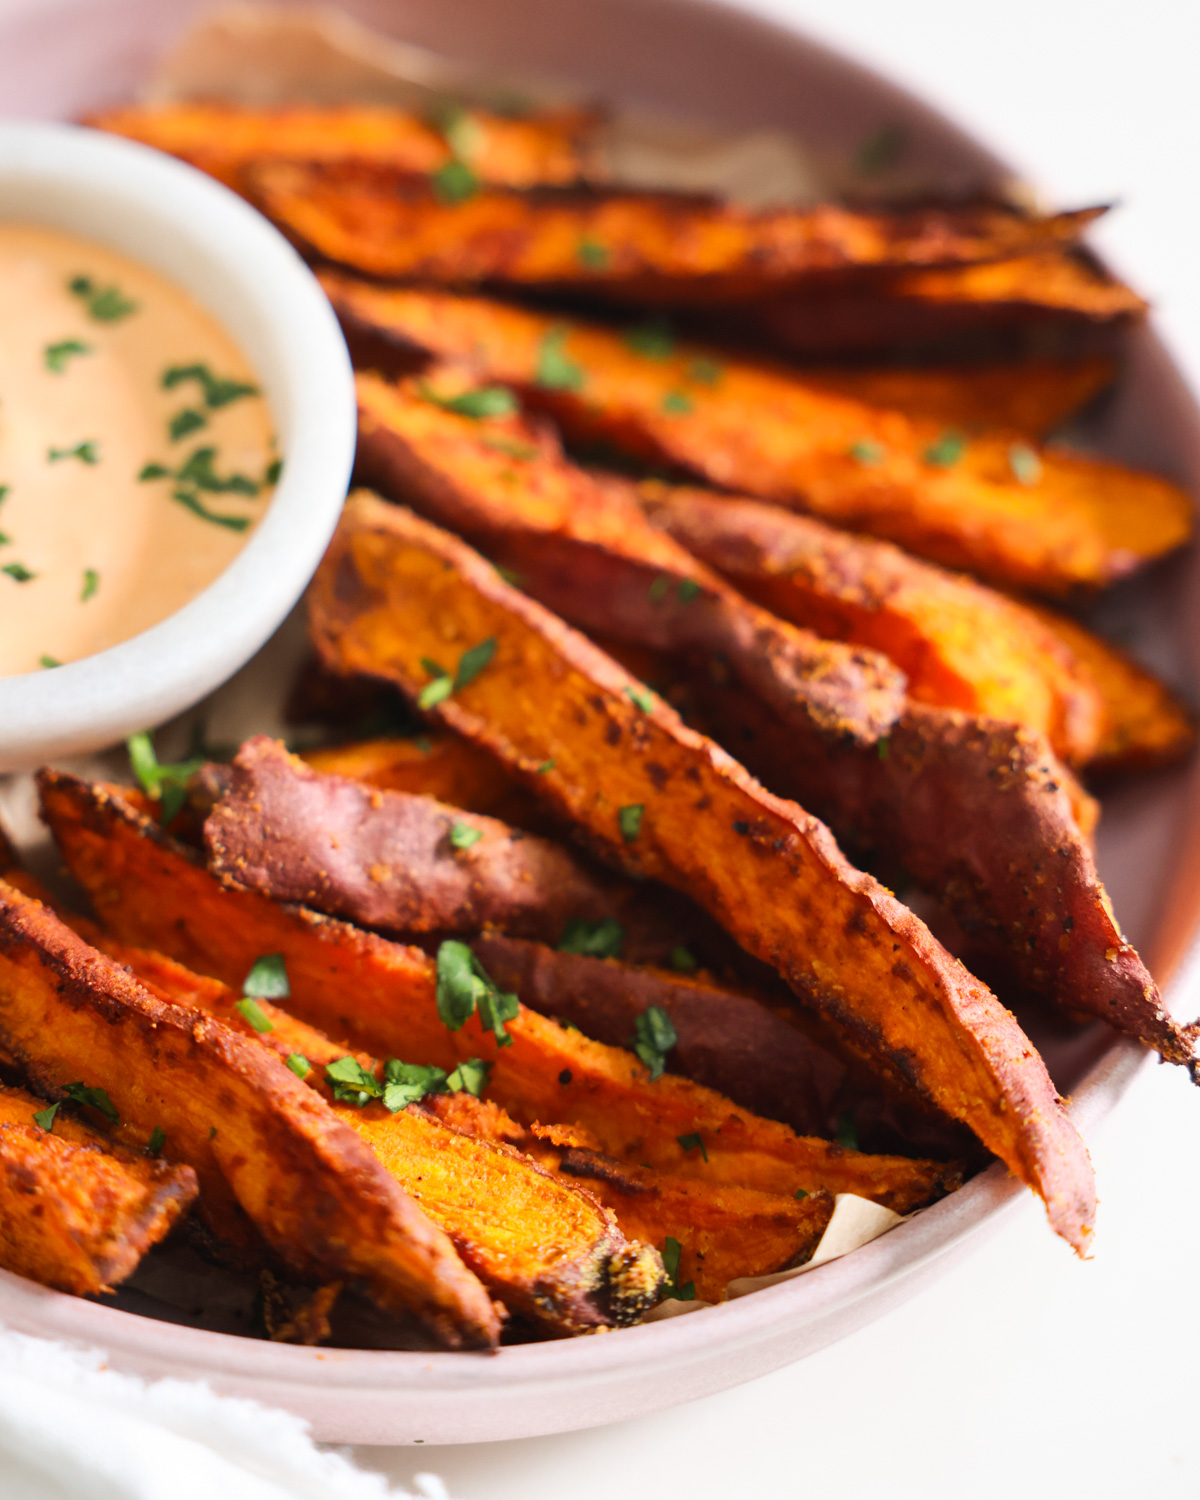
x=105 y=304
x=86 y=452
x=601 y=939
x=48 y=662
x=18 y=571
x=198 y=508
x=187 y=421
x=464 y=986
x=653 y=1038
x=215 y=389
x=197 y=469
x=555 y=372
x=629 y=820
x=58 y=354
x=91 y=582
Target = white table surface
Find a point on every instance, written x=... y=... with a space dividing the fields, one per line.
x=1024 y=1372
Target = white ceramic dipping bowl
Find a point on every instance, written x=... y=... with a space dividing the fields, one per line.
x=204 y=239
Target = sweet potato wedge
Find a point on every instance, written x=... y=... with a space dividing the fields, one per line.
x=1142 y=723
x=1022 y=396
x=579 y=551
x=668 y=803
x=442 y=766
x=549 y=1252
x=222 y=138
x=763 y=430
x=734 y=1229
x=383 y=998
x=1028 y=306
x=76 y=1212
x=255 y=1136
x=504 y=485
x=650 y=248
x=393 y=860
x=959 y=643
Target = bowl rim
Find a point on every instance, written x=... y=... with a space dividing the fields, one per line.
x=199 y=234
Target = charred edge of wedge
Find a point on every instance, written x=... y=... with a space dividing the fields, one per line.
x=363 y=623
x=331 y=1210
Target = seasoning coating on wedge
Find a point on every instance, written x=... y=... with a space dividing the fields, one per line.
x=77 y=1213
x=668 y=803
x=234 y=1114
x=578 y=549
x=392 y=860
x=642 y=246
x=764 y=431
x=586 y=548
x=222 y=138
x=383 y=997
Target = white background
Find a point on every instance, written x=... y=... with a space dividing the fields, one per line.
x=1023 y=1373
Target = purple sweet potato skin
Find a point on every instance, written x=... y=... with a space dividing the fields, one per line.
x=385 y=859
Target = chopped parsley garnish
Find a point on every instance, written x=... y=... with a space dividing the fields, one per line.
x=545 y=767
x=45 y=1117
x=1024 y=463
x=463 y=836
x=158 y=1139
x=167 y=784
x=487 y=401
x=883 y=748
x=198 y=469
x=48 y=661
x=704 y=371
x=91 y=582
x=216 y=390
x=593 y=255
x=677 y=403
x=198 y=508
x=86 y=452
x=641 y=697
x=510 y=575
x=267 y=979
x=82 y=1093
x=402 y=1083
x=513 y=450
x=105 y=304
x=18 y=571
x=601 y=939
x=801 y=1193
x=186 y=421
x=154 y=471
x=687 y=590
x=947 y=451
x=464 y=986
x=671 y=1252
x=846 y=1133
x=454 y=183
x=299 y=1064
x=5 y=490
x=470 y=664
x=252 y=1011
x=629 y=820
x=653 y=1038
x=653 y=340
x=5 y=539
x=882 y=149
x=273 y=470
x=693 y=1142
x=657 y=591
x=58 y=354
x=681 y=960
x=461 y=131
x=866 y=452
x=555 y=372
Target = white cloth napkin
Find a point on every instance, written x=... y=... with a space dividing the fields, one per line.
x=71 y=1429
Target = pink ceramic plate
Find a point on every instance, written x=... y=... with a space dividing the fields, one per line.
x=57 y=59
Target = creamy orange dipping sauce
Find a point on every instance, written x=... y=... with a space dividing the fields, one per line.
x=136 y=453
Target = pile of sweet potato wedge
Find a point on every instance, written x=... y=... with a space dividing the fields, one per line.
x=714 y=574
